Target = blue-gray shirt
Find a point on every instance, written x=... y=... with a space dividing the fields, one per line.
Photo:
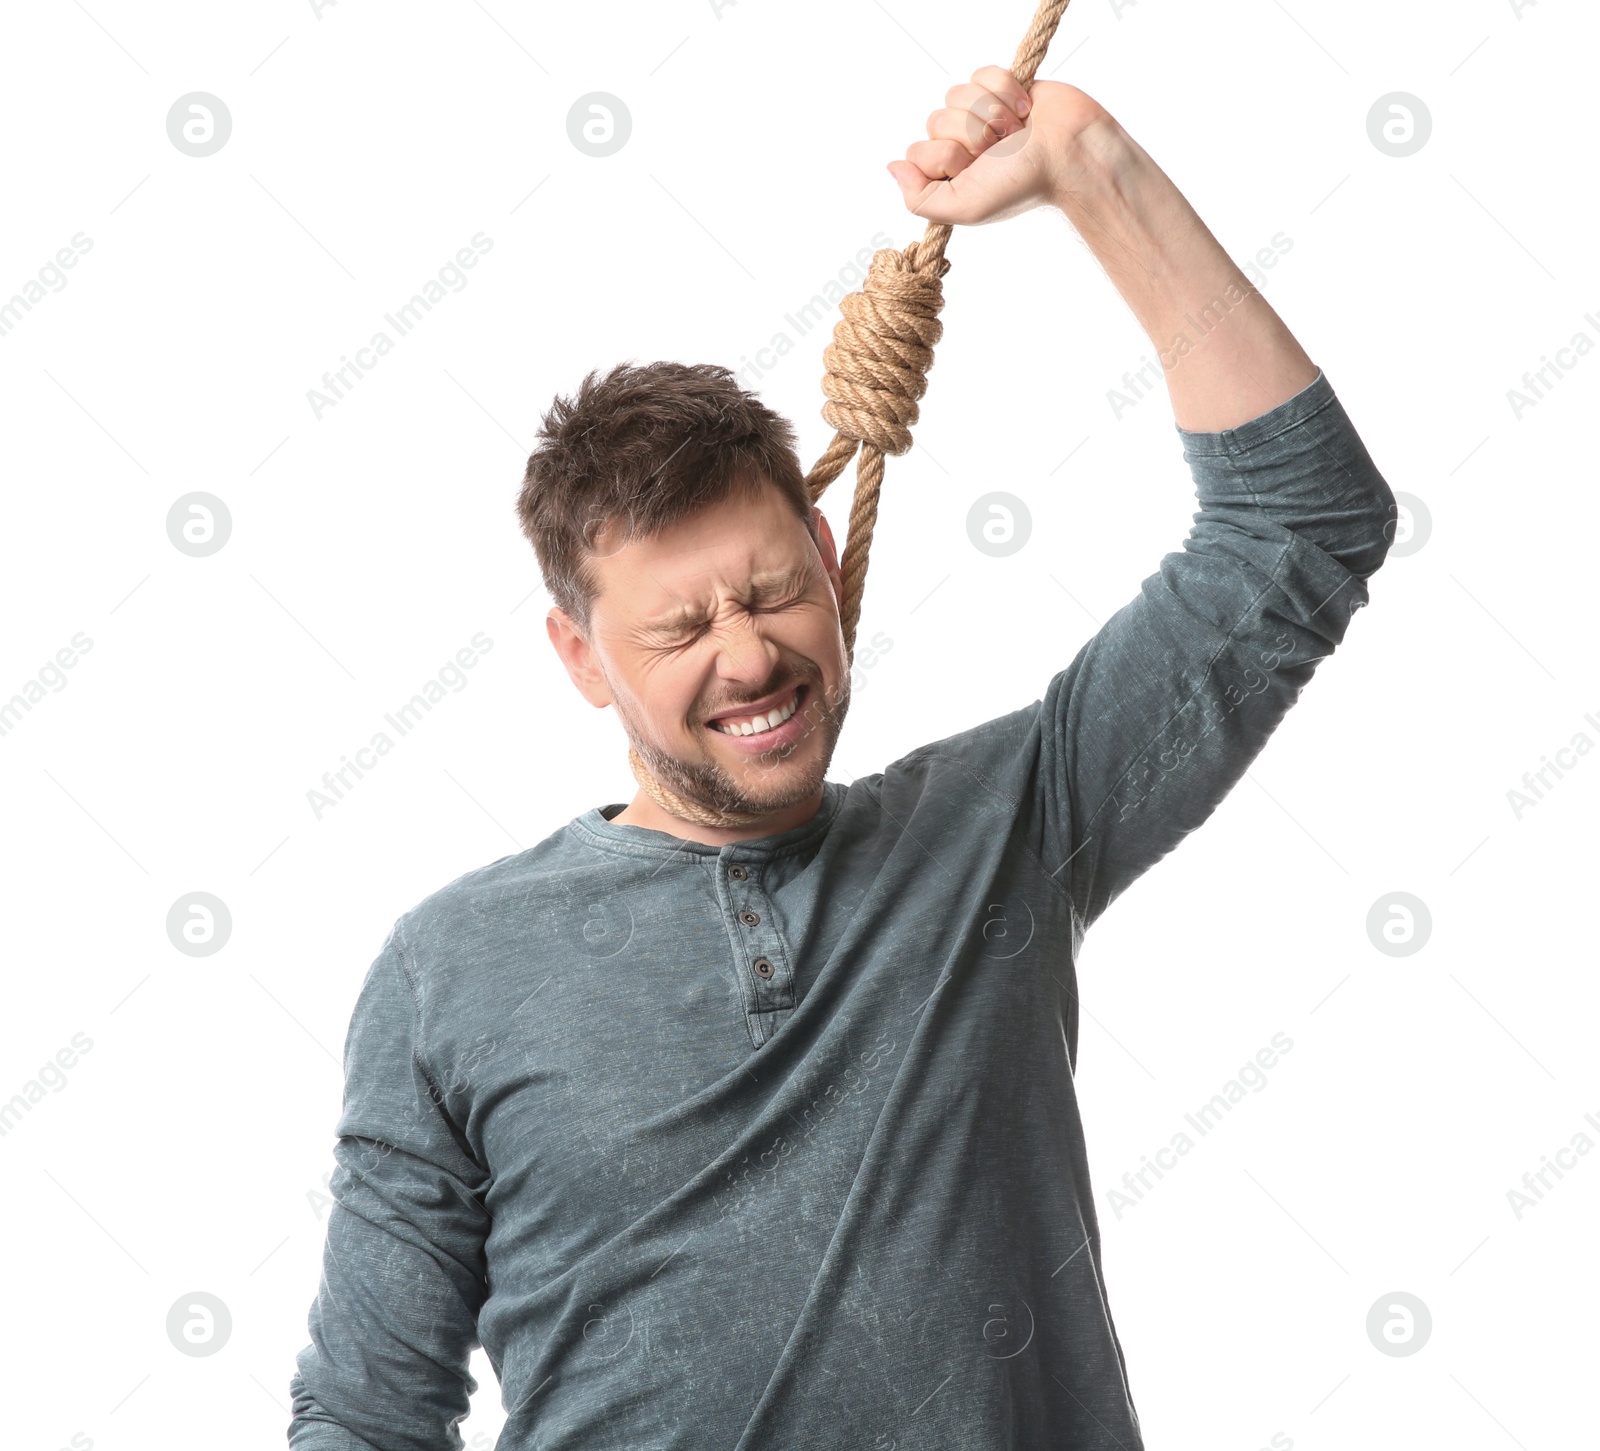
x=775 y=1144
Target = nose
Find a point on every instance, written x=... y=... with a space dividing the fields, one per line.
x=744 y=654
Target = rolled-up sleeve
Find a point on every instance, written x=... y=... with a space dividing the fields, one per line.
x=1166 y=706
x=403 y=1272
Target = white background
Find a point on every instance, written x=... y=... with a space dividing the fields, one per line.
x=187 y=1149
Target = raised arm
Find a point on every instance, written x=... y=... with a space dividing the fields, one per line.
x=403 y=1269
x=1164 y=709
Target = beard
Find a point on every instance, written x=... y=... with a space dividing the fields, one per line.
x=766 y=783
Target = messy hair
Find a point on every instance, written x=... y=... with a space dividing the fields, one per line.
x=645 y=446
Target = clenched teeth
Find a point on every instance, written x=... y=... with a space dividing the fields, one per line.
x=756 y=725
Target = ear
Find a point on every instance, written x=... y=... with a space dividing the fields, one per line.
x=830 y=555
x=578 y=656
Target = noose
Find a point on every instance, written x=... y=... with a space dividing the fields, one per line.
x=877 y=369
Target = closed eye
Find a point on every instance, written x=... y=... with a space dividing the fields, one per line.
x=690 y=638
x=786 y=605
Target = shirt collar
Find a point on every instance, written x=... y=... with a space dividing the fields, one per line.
x=595 y=827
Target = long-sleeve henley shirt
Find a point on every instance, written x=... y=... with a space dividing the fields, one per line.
x=775 y=1144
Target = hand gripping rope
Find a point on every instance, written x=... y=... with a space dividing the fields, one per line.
x=877 y=368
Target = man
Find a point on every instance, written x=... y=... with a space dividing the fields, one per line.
x=766 y=1136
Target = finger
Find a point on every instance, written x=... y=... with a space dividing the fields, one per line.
x=1002 y=84
x=986 y=106
x=938 y=158
x=915 y=184
x=931 y=198
x=956 y=123
x=981 y=115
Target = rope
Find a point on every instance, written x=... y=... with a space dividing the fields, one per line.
x=877 y=369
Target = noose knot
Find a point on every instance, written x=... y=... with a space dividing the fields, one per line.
x=877 y=364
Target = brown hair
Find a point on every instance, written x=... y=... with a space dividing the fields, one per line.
x=647 y=444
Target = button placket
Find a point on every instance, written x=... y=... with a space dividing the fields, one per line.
x=763 y=954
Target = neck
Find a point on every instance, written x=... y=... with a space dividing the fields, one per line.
x=643 y=811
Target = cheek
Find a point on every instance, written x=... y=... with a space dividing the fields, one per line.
x=673 y=703
x=669 y=694
x=815 y=633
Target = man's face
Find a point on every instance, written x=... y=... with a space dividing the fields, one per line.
x=693 y=631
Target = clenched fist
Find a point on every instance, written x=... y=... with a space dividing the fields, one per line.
x=995 y=149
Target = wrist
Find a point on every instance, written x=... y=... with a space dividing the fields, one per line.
x=1138 y=225
x=1091 y=166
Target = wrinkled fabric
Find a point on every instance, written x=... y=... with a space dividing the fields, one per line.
x=776 y=1144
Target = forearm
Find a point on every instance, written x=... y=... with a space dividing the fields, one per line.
x=404 y=1265
x=1227 y=355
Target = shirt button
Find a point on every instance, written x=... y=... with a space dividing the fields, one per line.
x=738 y=873
x=764 y=968
x=749 y=918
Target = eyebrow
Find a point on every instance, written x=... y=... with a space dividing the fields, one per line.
x=764 y=586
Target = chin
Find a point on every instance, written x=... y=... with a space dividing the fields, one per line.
x=725 y=777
